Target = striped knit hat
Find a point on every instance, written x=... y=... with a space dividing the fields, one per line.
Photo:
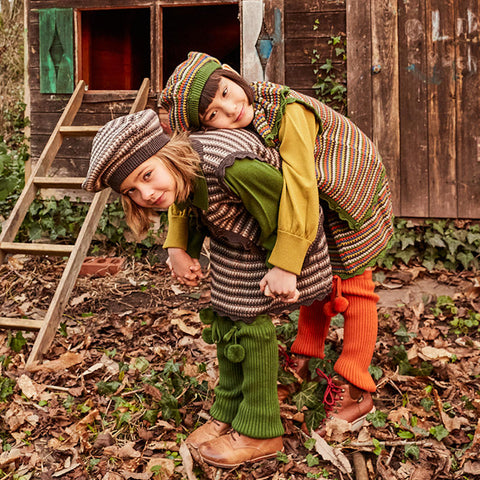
x=183 y=90
x=120 y=146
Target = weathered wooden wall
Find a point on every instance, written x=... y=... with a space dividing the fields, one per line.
x=413 y=86
x=301 y=38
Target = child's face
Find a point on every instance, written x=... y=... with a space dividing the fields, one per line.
x=229 y=108
x=150 y=185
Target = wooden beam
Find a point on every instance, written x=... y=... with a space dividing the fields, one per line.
x=359 y=64
x=36 y=248
x=80 y=131
x=59 y=182
x=385 y=103
x=441 y=74
x=20 y=324
x=413 y=109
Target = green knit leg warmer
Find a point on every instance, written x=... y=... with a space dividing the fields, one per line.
x=259 y=412
x=228 y=392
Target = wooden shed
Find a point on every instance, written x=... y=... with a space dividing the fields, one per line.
x=412 y=76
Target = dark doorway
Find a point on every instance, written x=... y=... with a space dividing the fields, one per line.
x=115 y=52
x=213 y=29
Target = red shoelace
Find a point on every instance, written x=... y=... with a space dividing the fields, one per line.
x=288 y=361
x=331 y=391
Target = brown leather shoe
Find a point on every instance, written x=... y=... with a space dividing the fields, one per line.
x=208 y=431
x=234 y=449
x=344 y=401
x=298 y=365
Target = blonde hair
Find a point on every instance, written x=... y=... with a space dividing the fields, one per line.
x=183 y=163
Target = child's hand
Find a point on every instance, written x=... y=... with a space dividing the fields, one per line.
x=184 y=268
x=278 y=283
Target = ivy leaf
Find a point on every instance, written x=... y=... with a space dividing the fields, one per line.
x=452 y=244
x=427 y=403
x=439 y=432
x=436 y=241
x=307 y=396
x=377 y=418
x=313 y=418
x=412 y=450
x=375 y=372
x=6 y=388
x=378 y=447
x=106 y=388
x=473 y=237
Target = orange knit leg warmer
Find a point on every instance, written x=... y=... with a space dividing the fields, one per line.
x=313 y=327
x=360 y=331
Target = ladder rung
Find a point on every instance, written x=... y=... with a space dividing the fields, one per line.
x=80 y=131
x=59 y=182
x=20 y=323
x=37 y=248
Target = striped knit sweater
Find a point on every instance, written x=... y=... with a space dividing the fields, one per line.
x=238 y=263
x=351 y=178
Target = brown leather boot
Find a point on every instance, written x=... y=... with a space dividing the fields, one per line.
x=234 y=449
x=344 y=401
x=298 y=365
x=208 y=431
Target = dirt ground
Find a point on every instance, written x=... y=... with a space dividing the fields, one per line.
x=128 y=376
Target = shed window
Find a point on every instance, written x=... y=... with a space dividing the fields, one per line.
x=214 y=29
x=115 y=48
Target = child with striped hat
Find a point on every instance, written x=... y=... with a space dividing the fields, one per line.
x=326 y=159
x=229 y=183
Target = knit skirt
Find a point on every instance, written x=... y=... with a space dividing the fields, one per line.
x=236 y=275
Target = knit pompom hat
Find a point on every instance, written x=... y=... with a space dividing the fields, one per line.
x=183 y=90
x=120 y=146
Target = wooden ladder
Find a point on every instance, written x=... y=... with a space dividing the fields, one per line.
x=39 y=179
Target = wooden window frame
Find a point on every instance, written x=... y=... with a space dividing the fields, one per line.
x=78 y=45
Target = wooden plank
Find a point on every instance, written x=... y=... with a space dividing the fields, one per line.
x=301 y=77
x=36 y=248
x=274 y=22
x=313 y=5
x=468 y=108
x=441 y=108
x=80 y=131
x=359 y=62
x=20 y=324
x=142 y=96
x=299 y=52
x=300 y=25
x=386 y=122
x=59 y=182
x=413 y=109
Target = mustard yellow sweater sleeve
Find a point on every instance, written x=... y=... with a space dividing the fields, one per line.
x=177 y=234
x=299 y=204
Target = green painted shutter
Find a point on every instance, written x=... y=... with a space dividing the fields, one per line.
x=56 y=50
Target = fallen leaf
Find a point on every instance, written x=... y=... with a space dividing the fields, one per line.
x=67 y=360
x=193 y=331
x=333 y=455
x=165 y=470
x=80 y=299
x=187 y=461
x=431 y=353
x=30 y=388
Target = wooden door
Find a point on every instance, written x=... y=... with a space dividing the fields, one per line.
x=413 y=86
